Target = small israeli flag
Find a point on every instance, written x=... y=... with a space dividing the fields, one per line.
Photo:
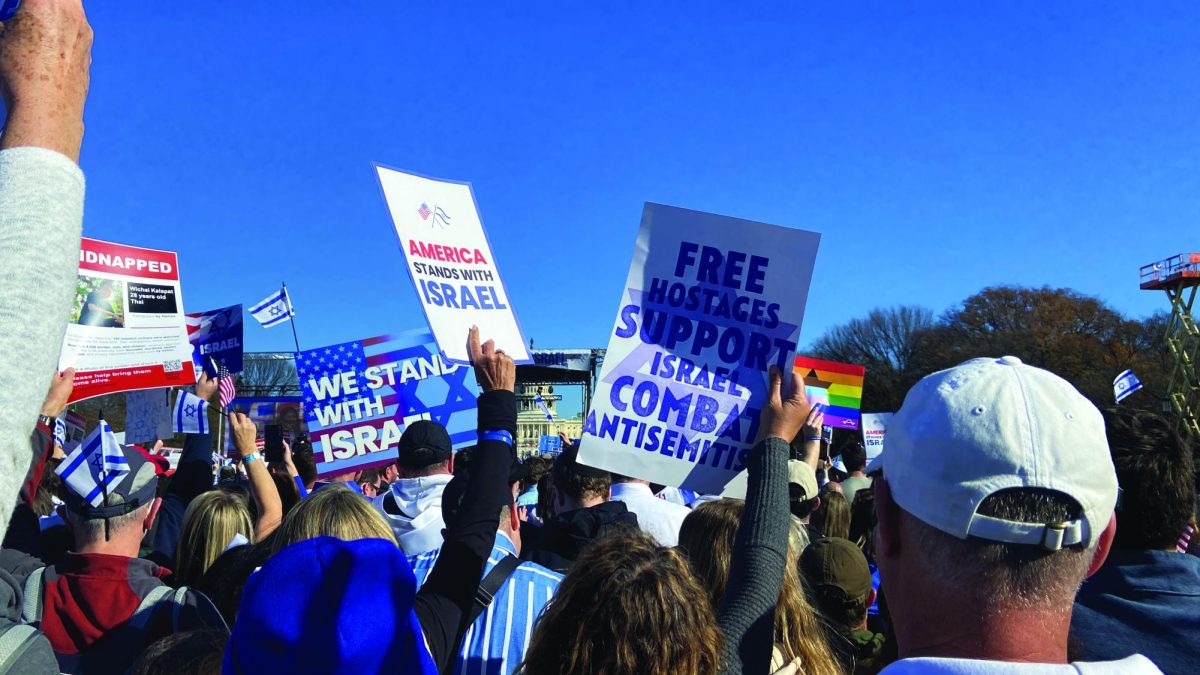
x=542 y=404
x=190 y=415
x=274 y=309
x=60 y=432
x=1125 y=384
x=95 y=465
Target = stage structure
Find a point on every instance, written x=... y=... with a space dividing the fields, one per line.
x=1179 y=277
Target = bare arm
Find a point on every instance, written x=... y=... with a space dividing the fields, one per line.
x=270 y=506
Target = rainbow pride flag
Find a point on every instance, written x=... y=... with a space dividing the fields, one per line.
x=836 y=385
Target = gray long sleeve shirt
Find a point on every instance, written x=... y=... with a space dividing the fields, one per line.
x=760 y=548
x=41 y=217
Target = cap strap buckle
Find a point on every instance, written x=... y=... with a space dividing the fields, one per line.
x=1056 y=535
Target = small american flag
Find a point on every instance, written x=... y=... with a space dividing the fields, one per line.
x=225 y=381
x=424 y=211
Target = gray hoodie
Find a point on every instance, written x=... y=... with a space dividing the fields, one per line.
x=413 y=507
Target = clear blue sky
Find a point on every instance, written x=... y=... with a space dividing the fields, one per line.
x=938 y=147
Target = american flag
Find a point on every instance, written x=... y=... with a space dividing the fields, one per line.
x=225 y=381
x=424 y=211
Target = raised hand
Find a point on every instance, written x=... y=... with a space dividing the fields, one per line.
x=45 y=56
x=206 y=387
x=244 y=433
x=61 y=385
x=782 y=417
x=493 y=368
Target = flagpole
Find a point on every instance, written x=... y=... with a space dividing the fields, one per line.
x=292 y=321
x=103 y=476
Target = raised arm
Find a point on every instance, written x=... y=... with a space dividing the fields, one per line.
x=270 y=506
x=747 y=614
x=44 y=58
x=449 y=591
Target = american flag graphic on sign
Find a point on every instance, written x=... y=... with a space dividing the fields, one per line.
x=424 y=211
x=339 y=400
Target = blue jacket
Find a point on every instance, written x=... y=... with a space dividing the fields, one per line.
x=1140 y=602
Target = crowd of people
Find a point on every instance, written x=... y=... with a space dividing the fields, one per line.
x=1008 y=526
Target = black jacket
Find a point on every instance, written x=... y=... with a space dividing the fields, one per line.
x=563 y=538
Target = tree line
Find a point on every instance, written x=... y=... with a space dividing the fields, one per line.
x=1076 y=336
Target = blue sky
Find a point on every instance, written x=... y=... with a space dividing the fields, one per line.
x=938 y=147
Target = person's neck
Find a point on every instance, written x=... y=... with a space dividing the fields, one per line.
x=858 y=474
x=583 y=503
x=963 y=630
x=124 y=546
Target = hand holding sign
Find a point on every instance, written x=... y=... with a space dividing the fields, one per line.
x=782 y=417
x=61 y=385
x=493 y=368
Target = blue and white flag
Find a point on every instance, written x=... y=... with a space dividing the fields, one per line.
x=274 y=309
x=190 y=415
x=1125 y=384
x=60 y=432
x=542 y=404
x=95 y=465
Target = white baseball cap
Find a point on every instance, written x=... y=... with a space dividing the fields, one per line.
x=992 y=424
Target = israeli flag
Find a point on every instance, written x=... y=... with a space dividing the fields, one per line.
x=542 y=404
x=274 y=309
x=1125 y=384
x=93 y=467
x=190 y=415
x=60 y=432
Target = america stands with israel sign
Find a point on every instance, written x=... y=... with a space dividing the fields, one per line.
x=358 y=397
x=451 y=264
x=709 y=305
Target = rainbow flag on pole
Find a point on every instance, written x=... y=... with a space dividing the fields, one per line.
x=837 y=385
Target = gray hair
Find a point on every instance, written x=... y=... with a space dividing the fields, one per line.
x=996 y=576
x=92 y=529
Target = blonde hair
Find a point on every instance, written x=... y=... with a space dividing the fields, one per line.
x=706 y=539
x=833 y=518
x=627 y=607
x=333 y=511
x=210 y=523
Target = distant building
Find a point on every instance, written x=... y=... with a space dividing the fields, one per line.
x=532 y=424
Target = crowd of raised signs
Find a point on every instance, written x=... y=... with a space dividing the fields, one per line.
x=1009 y=525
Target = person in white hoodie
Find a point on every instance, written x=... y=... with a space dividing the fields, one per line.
x=412 y=504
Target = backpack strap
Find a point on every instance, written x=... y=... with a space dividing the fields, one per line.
x=15 y=640
x=489 y=585
x=142 y=615
x=35 y=587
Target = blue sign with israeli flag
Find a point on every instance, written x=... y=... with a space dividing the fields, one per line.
x=1125 y=384
x=359 y=396
x=217 y=334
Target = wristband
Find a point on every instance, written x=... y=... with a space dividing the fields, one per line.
x=497 y=435
x=250 y=459
x=811 y=438
x=47 y=420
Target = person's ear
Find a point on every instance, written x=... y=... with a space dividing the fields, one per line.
x=871 y=594
x=816 y=504
x=1103 y=546
x=450 y=465
x=887 y=513
x=516 y=490
x=152 y=514
x=514 y=518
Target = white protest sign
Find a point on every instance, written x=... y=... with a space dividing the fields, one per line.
x=709 y=305
x=148 y=415
x=874 y=429
x=451 y=264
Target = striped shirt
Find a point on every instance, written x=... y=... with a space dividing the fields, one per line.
x=497 y=641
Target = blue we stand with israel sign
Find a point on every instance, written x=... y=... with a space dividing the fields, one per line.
x=450 y=262
x=710 y=304
x=358 y=396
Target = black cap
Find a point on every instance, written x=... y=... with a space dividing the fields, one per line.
x=423 y=443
